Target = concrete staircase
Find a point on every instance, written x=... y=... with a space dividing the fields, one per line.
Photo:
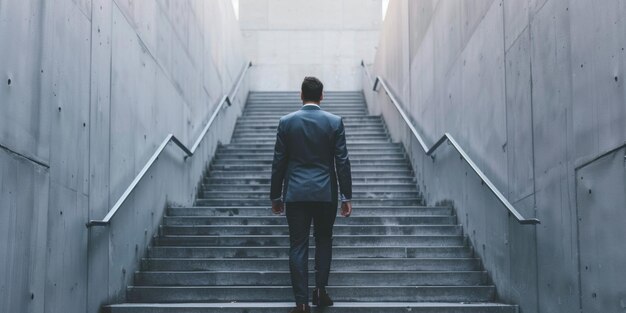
x=228 y=253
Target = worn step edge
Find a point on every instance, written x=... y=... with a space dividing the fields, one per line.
x=284 y=293
x=271 y=307
x=337 y=278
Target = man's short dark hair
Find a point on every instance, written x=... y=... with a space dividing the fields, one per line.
x=312 y=89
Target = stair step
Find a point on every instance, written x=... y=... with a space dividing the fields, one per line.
x=395 y=164
x=354 y=219
x=249 y=123
x=358 y=100
x=401 y=162
x=272 y=134
x=283 y=240
x=283 y=252
x=390 y=160
x=293 y=104
x=285 y=293
x=392 y=147
x=363 y=145
x=338 y=264
x=271 y=130
x=330 y=93
x=349 y=135
x=264 y=194
x=296 y=95
x=369 y=230
x=270 y=156
x=296 y=98
x=266 y=187
x=277 y=113
x=346 y=119
x=355 y=173
x=251 y=166
x=352 y=119
x=265 y=211
x=352 y=142
x=349 y=140
x=266 y=180
x=296 y=102
x=338 y=278
x=356 y=202
x=297 y=105
x=339 y=307
x=288 y=107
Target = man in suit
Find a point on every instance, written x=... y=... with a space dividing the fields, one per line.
x=310 y=155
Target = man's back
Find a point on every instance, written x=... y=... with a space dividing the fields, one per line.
x=309 y=142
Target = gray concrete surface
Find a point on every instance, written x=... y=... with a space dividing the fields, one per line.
x=532 y=89
x=89 y=89
x=290 y=39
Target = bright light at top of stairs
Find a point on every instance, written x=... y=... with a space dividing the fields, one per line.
x=385 y=5
x=236 y=8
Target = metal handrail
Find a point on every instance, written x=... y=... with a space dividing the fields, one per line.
x=586 y=162
x=447 y=137
x=226 y=99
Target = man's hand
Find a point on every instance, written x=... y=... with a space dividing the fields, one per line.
x=346 y=208
x=278 y=207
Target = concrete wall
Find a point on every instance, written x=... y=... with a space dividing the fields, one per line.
x=89 y=89
x=290 y=39
x=532 y=89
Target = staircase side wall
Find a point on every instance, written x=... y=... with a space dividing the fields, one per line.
x=89 y=90
x=531 y=89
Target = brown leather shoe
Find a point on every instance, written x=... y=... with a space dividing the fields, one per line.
x=321 y=298
x=302 y=308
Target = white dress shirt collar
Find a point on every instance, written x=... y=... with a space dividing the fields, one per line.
x=311 y=103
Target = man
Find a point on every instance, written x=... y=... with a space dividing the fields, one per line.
x=310 y=155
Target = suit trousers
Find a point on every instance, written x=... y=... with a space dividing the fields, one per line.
x=299 y=217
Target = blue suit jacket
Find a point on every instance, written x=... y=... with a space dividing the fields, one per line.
x=310 y=155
